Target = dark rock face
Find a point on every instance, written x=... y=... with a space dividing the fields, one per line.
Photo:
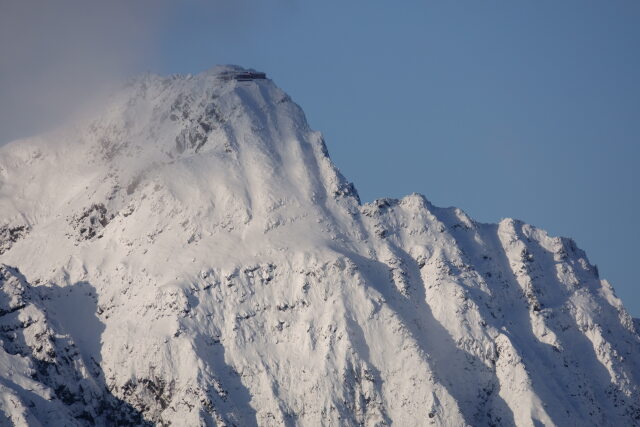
x=54 y=361
x=197 y=126
x=90 y=223
x=11 y=234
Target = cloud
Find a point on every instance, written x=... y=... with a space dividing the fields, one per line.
x=58 y=56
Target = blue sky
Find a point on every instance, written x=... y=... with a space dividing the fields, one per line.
x=505 y=109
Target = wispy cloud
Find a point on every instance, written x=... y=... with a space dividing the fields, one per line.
x=56 y=57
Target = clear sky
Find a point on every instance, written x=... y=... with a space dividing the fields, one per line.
x=525 y=109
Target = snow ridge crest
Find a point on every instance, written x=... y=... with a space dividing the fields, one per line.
x=192 y=256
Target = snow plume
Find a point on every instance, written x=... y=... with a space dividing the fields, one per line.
x=58 y=56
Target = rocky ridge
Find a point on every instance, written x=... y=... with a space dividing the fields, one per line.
x=192 y=255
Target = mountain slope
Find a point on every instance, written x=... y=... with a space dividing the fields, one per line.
x=192 y=256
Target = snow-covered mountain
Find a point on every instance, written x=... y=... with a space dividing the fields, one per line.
x=192 y=257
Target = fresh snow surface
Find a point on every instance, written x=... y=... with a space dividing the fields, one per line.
x=192 y=256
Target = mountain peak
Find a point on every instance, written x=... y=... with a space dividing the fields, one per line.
x=191 y=255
